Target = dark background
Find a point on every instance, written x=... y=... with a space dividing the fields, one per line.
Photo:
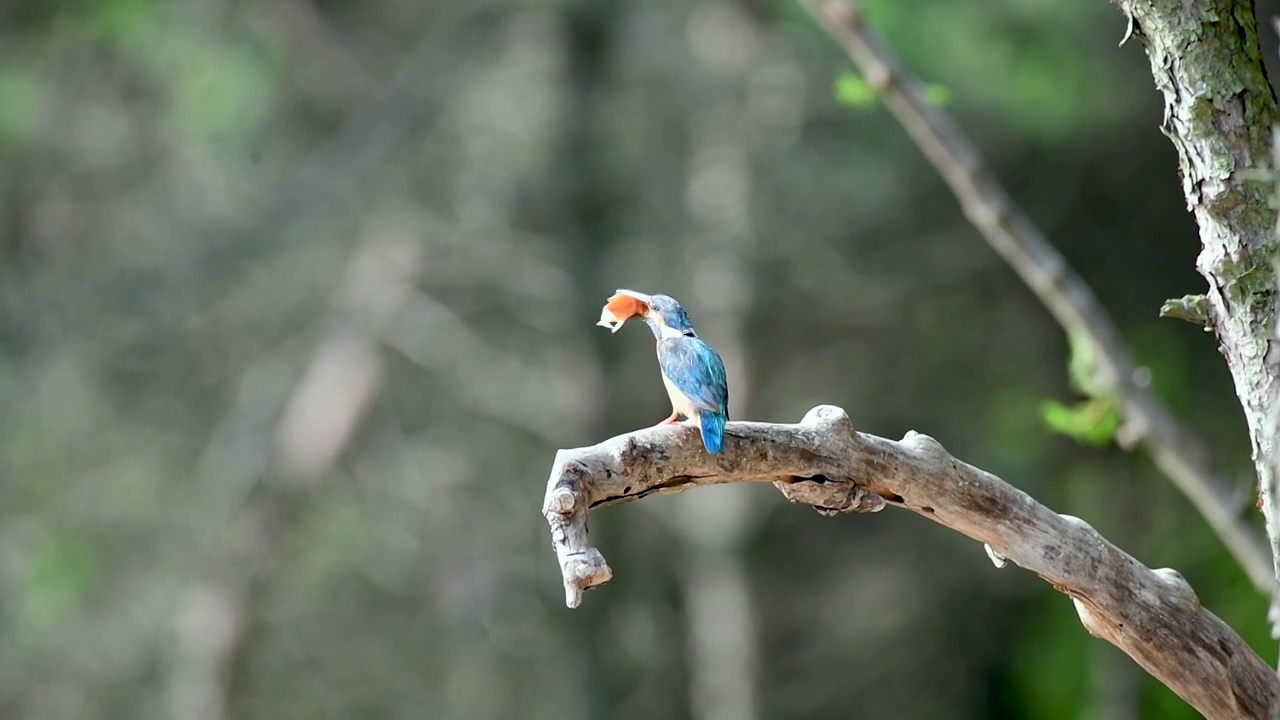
x=296 y=305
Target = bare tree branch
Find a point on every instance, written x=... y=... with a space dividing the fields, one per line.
x=1181 y=455
x=1152 y=615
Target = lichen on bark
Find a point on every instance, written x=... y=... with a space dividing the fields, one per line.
x=1219 y=114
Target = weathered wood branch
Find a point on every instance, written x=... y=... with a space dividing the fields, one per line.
x=1153 y=615
x=1178 y=452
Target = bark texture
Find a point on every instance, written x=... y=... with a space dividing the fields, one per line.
x=1152 y=615
x=1219 y=112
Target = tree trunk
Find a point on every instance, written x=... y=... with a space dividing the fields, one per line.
x=1219 y=112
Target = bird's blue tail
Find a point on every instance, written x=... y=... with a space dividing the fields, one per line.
x=712 y=425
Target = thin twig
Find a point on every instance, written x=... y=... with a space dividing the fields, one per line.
x=1182 y=456
x=1152 y=615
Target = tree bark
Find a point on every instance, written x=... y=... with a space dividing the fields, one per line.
x=1152 y=615
x=1219 y=112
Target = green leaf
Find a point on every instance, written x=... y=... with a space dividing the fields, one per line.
x=1093 y=422
x=853 y=91
x=936 y=94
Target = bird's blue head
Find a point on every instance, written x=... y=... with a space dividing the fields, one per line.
x=665 y=312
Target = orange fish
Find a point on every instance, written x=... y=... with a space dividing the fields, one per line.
x=624 y=305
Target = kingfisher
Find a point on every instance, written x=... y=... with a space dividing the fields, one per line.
x=692 y=372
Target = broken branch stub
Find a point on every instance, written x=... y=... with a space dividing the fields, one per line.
x=1152 y=615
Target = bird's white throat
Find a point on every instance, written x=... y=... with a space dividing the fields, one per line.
x=669 y=332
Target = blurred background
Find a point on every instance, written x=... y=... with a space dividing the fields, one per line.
x=297 y=303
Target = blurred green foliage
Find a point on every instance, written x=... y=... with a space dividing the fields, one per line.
x=853 y=91
x=296 y=305
x=1092 y=421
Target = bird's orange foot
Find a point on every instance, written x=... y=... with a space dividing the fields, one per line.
x=671 y=420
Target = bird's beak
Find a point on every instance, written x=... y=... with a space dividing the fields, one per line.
x=639 y=296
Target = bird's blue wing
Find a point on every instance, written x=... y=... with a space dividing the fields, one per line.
x=697 y=371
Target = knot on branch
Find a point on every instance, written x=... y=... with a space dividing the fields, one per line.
x=925 y=445
x=829 y=418
x=830 y=496
x=1084 y=529
x=562 y=501
x=1177 y=590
